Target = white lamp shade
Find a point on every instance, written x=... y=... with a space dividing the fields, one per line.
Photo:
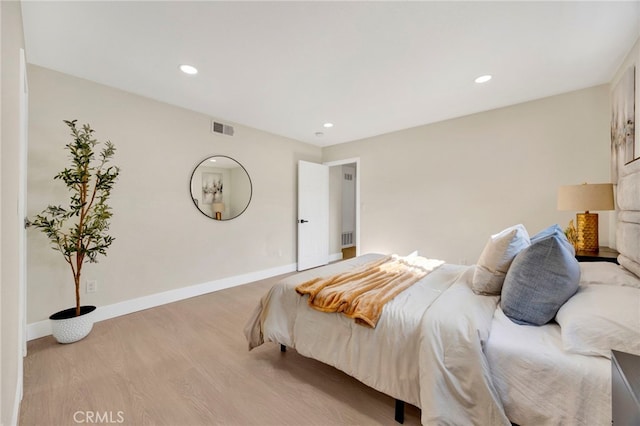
x=586 y=197
x=218 y=207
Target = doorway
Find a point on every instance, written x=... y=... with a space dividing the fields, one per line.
x=345 y=213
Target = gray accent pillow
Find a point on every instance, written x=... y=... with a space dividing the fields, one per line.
x=541 y=278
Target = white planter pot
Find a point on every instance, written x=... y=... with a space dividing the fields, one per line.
x=68 y=328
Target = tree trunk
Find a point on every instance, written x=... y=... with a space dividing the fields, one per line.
x=76 y=278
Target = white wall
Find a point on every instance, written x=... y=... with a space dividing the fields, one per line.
x=10 y=341
x=444 y=188
x=162 y=242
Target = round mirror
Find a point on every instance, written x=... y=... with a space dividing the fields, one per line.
x=221 y=188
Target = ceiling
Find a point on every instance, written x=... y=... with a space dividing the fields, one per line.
x=368 y=67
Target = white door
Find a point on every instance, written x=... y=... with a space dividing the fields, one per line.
x=313 y=215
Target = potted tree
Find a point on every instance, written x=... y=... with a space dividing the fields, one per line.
x=79 y=232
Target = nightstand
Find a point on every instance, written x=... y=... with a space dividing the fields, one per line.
x=604 y=254
x=625 y=389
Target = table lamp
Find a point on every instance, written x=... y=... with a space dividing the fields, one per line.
x=218 y=209
x=586 y=197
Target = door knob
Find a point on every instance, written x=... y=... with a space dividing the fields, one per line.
x=303 y=221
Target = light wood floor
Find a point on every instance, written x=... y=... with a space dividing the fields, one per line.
x=349 y=252
x=187 y=363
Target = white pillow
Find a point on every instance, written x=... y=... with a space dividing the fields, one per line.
x=599 y=318
x=496 y=258
x=607 y=273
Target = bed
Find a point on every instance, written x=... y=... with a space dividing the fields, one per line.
x=489 y=344
x=474 y=367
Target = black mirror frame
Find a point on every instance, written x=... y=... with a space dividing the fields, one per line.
x=195 y=202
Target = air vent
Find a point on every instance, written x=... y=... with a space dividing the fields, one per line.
x=224 y=129
x=347 y=239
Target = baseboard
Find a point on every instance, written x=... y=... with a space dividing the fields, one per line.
x=335 y=257
x=43 y=328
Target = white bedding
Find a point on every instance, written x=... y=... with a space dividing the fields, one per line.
x=455 y=380
x=384 y=358
x=446 y=350
x=539 y=383
x=398 y=357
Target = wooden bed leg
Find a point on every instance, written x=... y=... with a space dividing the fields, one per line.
x=399 y=411
x=283 y=348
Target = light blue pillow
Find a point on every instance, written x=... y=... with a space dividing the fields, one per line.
x=541 y=278
x=552 y=230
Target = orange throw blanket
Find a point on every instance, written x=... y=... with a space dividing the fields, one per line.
x=362 y=293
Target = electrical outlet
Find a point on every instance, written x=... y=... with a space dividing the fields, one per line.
x=92 y=286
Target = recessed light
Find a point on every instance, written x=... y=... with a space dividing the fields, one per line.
x=188 y=69
x=483 y=78
x=328 y=125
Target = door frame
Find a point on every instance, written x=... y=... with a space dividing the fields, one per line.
x=22 y=206
x=346 y=161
